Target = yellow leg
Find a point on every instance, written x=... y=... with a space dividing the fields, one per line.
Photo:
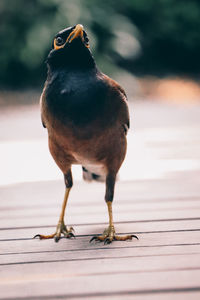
x=61 y=227
x=61 y=219
x=109 y=233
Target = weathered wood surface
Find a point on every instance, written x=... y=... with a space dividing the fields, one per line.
x=165 y=261
x=164 y=212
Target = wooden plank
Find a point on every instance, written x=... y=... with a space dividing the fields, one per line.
x=44 y=203
x=51 y=192
x=89 y=285
x=145 y=240
x=146 y=295
x=104 y=261
x=136 y=227
x=175 y=295
x=100 y=208
x=85 y=218
x=82 y=193
x=102 y=252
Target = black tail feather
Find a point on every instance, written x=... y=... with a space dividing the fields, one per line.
x=89 y=176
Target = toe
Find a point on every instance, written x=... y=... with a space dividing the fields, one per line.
x=69 y=235
x=57 y=238
x=71 y=229
x=134 y=236
x=125 y=238
x=43 y=237
x=108 y=240
x=37 y=236
x=94 y=238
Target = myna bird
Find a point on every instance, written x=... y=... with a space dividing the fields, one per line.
x=87 y=118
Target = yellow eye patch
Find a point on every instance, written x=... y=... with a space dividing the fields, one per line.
x=56 y=47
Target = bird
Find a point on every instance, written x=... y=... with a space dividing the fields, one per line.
x=87 y=118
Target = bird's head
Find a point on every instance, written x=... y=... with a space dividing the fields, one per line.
x=70 y=48
x=65 y=37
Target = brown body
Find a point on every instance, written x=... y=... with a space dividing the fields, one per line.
x=94 y=147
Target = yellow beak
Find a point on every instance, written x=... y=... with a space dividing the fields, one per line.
x=78 y=31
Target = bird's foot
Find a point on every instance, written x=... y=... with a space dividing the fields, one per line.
x=60 y=229
x=109 y=235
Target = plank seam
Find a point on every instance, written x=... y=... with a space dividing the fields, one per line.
x=103 y=248
x=135 y=232
x=111 y=294
x=104 y=258
x=103 y=223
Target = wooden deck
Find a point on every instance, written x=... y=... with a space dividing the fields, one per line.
x=164 y=212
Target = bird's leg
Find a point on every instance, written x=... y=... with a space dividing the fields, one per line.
x=61 y=227
x=109 y=233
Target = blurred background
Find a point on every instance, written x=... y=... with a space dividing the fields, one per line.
x=150 y=47
x=147 y=39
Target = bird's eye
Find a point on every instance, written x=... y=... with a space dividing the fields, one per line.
x=59 y=41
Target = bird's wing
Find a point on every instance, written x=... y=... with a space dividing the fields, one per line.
x=118 y=93
x=42 y=99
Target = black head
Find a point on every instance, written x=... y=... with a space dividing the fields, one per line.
x=70 y=49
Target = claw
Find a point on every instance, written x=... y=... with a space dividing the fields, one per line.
x=107 y=241
x=56 y=238
x=37 y=235
x=134 y=236
x=69 y=235
x=93 y=238
x=71 y=229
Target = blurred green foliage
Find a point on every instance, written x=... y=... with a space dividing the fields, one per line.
x=157 y=37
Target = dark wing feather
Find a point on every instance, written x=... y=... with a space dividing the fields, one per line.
x=41 y=106
x=119 y=95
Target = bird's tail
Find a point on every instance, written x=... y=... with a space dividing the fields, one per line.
x=89 y=176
